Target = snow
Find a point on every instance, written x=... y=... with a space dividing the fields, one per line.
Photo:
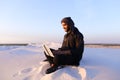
x=26 y=63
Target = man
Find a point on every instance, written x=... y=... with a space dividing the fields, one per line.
x=72 y=48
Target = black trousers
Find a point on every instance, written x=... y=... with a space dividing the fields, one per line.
x=62 y=59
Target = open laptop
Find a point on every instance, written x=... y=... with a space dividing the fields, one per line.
x=47 y=51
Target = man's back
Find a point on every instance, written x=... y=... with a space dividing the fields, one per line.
x=74 y=42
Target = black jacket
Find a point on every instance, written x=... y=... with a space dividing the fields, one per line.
x=73 y=44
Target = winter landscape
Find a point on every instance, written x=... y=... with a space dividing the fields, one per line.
x=26 y=63
x=25 y=25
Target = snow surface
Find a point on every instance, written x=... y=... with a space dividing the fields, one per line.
x=26 y=63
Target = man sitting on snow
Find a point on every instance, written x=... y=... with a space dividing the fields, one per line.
x=72 y=47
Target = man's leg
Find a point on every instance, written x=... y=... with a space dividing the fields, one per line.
x=56 y=64
x=65 y=60
x=59 y=62
x=49 y=58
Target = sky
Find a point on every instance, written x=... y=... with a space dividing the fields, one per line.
x=40 y=20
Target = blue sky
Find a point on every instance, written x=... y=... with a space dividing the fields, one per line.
x=39 y=20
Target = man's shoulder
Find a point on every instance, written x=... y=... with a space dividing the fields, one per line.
x=77 y=33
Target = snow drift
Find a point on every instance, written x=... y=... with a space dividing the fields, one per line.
x=26 y=63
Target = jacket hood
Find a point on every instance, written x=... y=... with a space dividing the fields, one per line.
x=69 y=22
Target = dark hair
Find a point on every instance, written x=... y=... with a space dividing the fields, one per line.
x=68 y=21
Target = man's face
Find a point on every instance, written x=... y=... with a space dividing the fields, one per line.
x=65 y=27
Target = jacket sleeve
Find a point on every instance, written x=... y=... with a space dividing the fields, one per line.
x=62 y=49
x=60 y=52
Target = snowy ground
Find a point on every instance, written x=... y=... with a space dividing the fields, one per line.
x=25 y=63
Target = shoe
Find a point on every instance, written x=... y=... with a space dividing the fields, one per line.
x=51 y=69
